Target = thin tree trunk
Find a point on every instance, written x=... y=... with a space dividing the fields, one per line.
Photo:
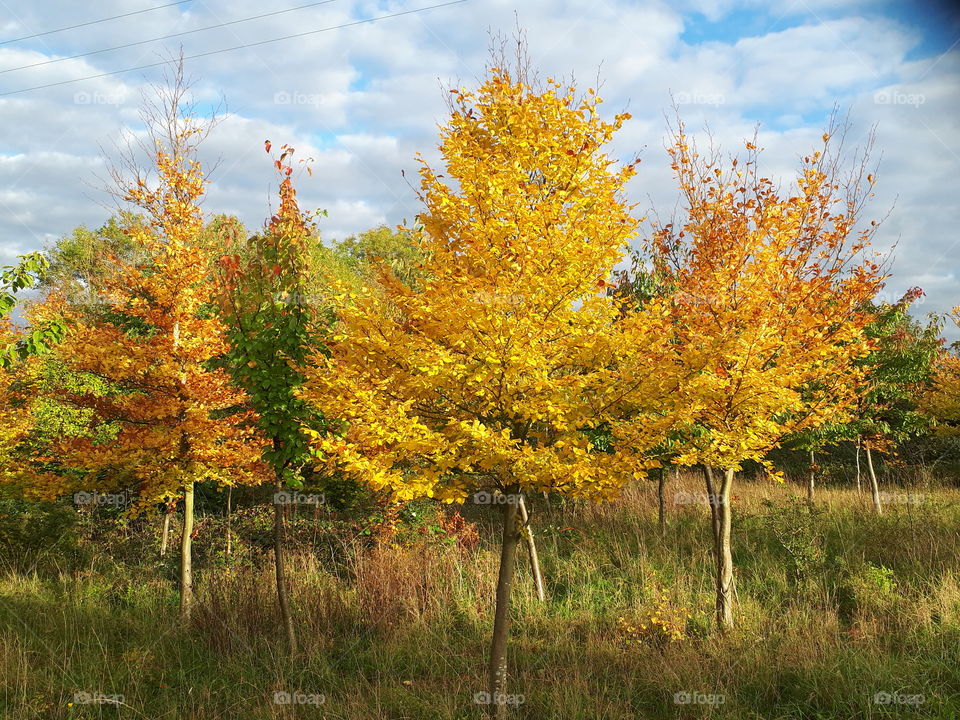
x=724 y=555
x=165 y=535
x=229 y=538
x=857 y=457
x=874 y=488
x=661 y=506
x=497 y=673
x=186 y=553
x=532 y=549
x=186 y=538
x=712 y=502
x=285 y=617
x=811 y=478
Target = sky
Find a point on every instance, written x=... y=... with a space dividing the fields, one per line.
x=361 y=86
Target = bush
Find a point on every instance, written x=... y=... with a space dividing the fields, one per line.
x=39 y=537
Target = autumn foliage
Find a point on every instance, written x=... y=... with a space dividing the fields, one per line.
x=176 y=418
x=766 y=291
x=942 y=402
x=488 y=374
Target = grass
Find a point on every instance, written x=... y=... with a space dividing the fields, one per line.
x=834 y=606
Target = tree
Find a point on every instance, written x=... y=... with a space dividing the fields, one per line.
x=38 y=339
x=765 y=292
x=18 y=366
x=941 y=402
x=14 y=412
x=177 y=418
x=271 y=329
x=79 y=262
x=898 y=368
x=819 y=439
x=488 y=376
x=365 y=253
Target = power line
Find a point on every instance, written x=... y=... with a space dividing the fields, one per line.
x=236 y=47
x=92 y=22
x=166 y=37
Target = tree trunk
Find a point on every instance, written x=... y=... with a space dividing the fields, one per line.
x=285 y=617
x=532 y=549
x=661 y=507
x=186 y=539
x=229 y=539
x=711 y=501
x=811 y=478
x=874 y=488
x=186 y=550
x=497 y=673
x=724 y=555
x=165 y=535
x=857 y=457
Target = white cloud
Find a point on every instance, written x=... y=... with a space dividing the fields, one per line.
x=363 y=99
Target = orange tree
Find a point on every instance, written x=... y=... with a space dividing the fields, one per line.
x=765 y=289
x=487 y=376
x=175 y=418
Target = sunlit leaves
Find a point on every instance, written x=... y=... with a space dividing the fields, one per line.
x=172 y=409
x=766 y=290
x=491 y=370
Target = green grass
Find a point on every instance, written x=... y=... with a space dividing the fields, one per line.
x=833 y=607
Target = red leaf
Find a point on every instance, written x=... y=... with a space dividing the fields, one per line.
x=266 y=145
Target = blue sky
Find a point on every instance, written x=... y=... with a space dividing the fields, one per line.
x=363 y=99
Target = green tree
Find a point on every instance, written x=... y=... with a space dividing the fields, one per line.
x=42 y=335
x=368 y=253
x=898 y=369
x=270 y=321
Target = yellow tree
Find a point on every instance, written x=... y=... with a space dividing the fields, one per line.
x=486 y=377
x=765 y=290
x=942 y=401
x=176 y=418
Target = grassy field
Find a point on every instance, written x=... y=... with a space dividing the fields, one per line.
x=841 y=614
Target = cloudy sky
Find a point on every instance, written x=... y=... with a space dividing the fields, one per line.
x=361 y=97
